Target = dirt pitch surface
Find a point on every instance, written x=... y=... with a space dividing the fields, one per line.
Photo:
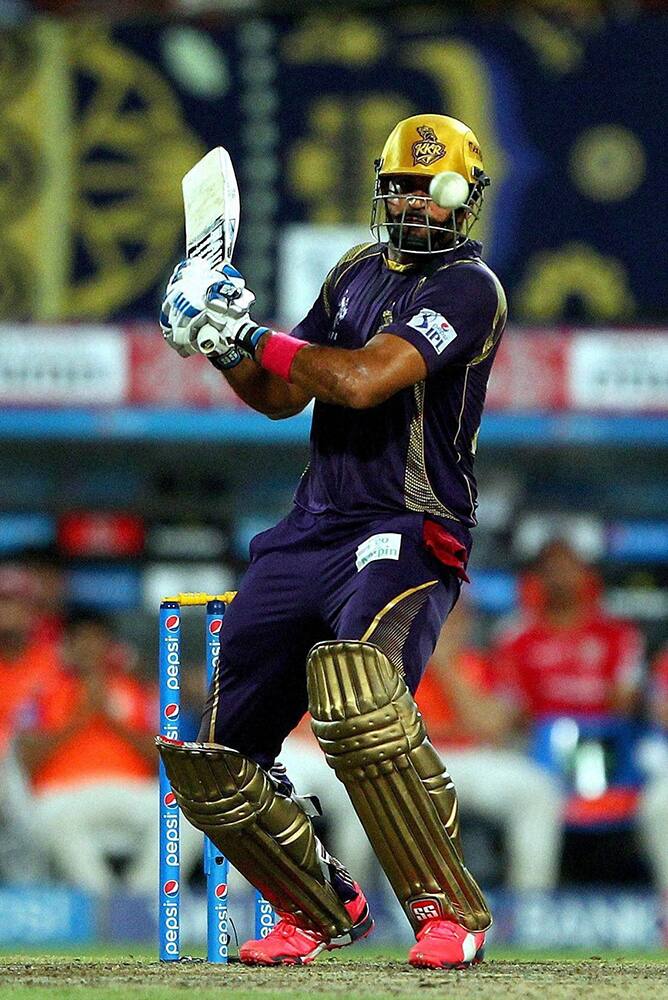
x=331 y=979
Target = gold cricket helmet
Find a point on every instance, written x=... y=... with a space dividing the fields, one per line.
x=421 y=147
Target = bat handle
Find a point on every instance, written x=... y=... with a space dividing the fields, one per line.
x=207 y=340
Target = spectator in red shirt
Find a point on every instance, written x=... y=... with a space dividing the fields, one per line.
x=572 y=676
x=569 y=657
x=473 y=730
x=653 y=812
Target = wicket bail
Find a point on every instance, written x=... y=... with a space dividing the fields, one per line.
x=216 y=867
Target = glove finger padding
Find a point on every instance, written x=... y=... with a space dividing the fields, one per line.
x=372 y=734
x=224 y=300
x=196 y=272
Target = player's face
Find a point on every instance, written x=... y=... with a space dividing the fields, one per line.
x=408 y=202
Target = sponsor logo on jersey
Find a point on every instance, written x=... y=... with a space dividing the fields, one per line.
x=434 y=327
x=427 y=149
x=386 y=546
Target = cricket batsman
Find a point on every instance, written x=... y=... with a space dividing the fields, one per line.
x=344 y=599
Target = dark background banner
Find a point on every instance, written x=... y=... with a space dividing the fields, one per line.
x=99 y=123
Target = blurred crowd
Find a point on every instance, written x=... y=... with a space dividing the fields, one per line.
x=561 y=724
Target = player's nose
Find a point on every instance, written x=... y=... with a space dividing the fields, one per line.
x=417 y=198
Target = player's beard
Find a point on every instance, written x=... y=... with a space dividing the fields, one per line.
x=412 y=235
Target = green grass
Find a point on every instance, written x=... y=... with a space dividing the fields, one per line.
x=137 y=976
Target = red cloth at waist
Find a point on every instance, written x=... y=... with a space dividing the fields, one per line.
x=445 y=548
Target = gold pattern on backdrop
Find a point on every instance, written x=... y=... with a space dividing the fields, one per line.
x=607 y=163
x=574 y=271
x=330 y=167
x=102 y=214
x=20 y=172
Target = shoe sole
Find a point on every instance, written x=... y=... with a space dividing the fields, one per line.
x=427 y=964
x=361 y=930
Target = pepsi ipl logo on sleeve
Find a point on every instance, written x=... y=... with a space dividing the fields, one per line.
x=434 y=327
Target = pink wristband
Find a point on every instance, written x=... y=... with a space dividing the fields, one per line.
x=279 y=352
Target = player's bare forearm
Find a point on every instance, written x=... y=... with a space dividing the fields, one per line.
x=265 y=392
x=356 y=378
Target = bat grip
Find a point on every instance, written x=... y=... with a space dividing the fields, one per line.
x=207 y=339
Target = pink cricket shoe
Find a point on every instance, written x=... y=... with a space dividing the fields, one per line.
x=443 y=944
x=291 y=944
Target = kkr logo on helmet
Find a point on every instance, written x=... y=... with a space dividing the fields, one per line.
x=427 y=149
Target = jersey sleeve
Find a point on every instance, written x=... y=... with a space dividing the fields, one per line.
x=317 y=324
x=456 y=317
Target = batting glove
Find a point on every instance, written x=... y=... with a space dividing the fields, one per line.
x=182 y=313
x=224 y=335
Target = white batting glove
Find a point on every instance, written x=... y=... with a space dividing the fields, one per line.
x=224 y=336
x=228 y=297
x=182 y=313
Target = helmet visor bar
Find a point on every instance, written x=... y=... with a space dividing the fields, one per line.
x=412 y=230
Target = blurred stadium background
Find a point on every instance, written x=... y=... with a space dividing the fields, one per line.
x=126 y=473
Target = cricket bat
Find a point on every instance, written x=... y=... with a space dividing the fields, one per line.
x=211 y=207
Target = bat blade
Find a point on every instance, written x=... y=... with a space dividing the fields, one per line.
x=211 y=204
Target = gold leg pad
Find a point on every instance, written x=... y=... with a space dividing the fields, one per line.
x=266 y=836
x=372 y=733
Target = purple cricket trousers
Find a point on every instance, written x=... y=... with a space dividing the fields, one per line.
x=314 y=578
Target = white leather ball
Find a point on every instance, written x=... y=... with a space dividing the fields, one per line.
x=449 y=189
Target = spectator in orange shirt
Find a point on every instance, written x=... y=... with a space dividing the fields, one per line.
x=473 y=730
x=26 y=664
x=26 y=661
x=47 y=570
x=92 y=764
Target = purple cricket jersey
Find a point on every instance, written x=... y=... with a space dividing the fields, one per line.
x=415 y=451
x=352 y=559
